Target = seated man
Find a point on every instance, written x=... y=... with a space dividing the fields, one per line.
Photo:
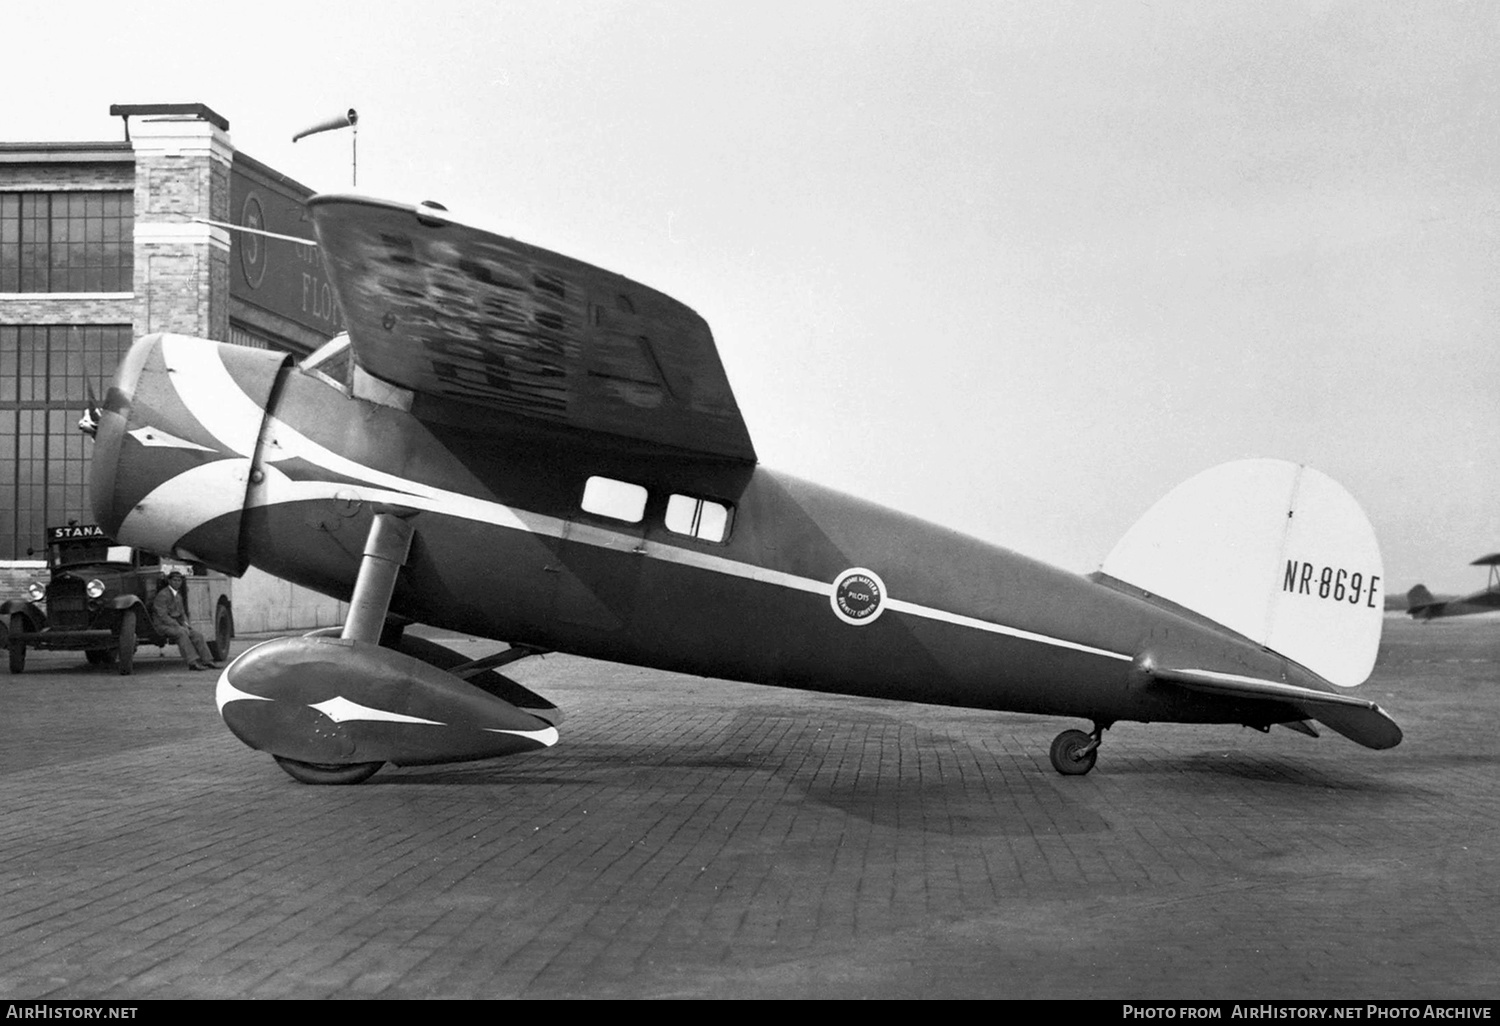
x=169 y=617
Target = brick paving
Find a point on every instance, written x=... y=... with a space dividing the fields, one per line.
x=692 y=838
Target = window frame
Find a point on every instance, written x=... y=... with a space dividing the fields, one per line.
x=69 y=242
x=603 y=500
x=46 y=371
x=696 y=518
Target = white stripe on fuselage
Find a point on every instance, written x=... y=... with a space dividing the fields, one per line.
x=281 y=441
x=210 y=392
x=204 y=492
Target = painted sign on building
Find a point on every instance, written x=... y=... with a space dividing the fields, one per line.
x=280 y=277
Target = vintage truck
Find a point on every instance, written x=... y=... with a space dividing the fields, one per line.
x=98 y=600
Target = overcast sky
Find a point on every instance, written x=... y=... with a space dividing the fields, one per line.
x=1019 y=268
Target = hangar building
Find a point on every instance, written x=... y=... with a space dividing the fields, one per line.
x=101 y=242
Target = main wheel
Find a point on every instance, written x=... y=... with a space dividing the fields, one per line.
x=1074 y=753
x=223 y=632
x=127 y=642
x=17 y=648
x=328 y=773
x=98 y=656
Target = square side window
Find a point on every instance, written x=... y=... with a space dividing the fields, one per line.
x=618 y=500
x=698 y=518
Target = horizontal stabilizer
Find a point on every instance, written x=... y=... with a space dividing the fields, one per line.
x=1358 y=720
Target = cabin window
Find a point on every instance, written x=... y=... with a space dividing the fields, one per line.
x=699 y=518
x=618 y=500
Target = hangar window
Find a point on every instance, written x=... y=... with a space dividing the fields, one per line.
x=67 y=242
x=699 y=518
x=618 y=500
x=46 y=374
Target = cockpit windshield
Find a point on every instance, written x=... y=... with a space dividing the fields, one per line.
x=333 y=360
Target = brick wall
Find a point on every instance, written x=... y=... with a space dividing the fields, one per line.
x=181 y=265
x=15 y=575
x=68 y=177
x=65 y=308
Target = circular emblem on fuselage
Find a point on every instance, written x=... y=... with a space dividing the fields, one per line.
x=858 y=596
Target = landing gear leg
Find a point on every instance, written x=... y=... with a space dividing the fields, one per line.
x=1074 y=752
x=386 y=549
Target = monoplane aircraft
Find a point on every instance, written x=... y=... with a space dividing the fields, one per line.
x=514 y=444
x=1421 y=605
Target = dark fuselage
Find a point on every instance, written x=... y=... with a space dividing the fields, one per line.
x=236 y=458
x=503 y=548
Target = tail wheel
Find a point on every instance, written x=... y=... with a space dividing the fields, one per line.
x=127 y=642
x=223 y=633
x=328 y=773
x=17 y=648
x=1074 y=753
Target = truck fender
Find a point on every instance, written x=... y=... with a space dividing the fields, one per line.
x=35 y=618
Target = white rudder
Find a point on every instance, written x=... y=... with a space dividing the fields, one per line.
x=1273 y=550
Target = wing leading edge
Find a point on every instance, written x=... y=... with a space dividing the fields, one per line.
x=449 y=310
x=1358 y=720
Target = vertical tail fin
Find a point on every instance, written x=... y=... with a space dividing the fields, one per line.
x=1420 y=603
x=1276 y=551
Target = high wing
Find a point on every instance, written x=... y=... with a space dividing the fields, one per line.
x=1355 y=718
x=452 y=311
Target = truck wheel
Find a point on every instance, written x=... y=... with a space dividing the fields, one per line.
x=17 y=648
x=223 y=632
x=127 y=642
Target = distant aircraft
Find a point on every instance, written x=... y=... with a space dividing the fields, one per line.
x=1422 y=606
x=514 y=444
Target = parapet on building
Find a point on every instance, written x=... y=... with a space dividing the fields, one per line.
x=102 y=242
